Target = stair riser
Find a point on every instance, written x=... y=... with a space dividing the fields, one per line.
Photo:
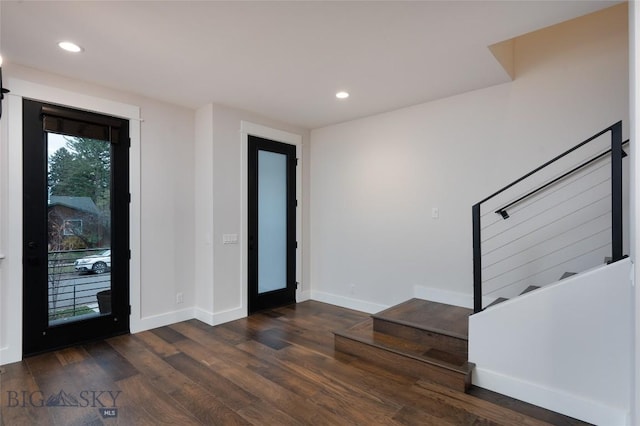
x=443 y=342
x=406 y=365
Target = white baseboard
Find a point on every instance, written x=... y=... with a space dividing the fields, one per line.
x=215 y=318
x=443 y=296
x=303 y=296
x=168 y=318
x=347 y=302
x=8 y=356
x=552 y=399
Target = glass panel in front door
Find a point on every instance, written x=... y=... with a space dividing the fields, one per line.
x=79 y=228
x=272 y=221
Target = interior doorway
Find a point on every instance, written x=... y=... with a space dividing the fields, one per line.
x=271 y=223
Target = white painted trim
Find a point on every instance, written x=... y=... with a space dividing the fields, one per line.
x=303 y=296
x=634 y=134
x=217 y=318
x=454 y=298
x=35 y=91
x=12 y=222
x=347 y=302
x=6 y=357
x=135 y=228
x=247 y=128
x=12 y=266
x=167 y=318
x=551 y=399
x=443 y=296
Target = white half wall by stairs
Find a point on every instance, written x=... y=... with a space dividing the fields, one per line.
x=565 y=347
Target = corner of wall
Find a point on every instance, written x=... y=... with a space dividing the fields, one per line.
x=203 y=211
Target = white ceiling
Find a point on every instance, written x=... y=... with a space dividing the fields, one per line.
x=284 y=60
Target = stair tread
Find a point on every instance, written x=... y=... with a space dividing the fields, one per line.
x=429 y=316
x=364 y=333
x=530 y=288
x=498 y=300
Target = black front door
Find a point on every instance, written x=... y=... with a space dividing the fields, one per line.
x=272 y=223
x=75 y=226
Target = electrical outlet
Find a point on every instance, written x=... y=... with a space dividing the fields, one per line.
x=179 y=298
x=352 y=288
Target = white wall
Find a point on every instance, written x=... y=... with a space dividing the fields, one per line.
x=565 y=347
x=162 y=214
x=375 y=181
x=219 y=165
x=634 y=55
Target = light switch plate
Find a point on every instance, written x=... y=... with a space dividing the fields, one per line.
x=230 y=238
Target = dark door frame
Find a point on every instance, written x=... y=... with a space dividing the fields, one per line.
x=256 y=300
x=38 y=336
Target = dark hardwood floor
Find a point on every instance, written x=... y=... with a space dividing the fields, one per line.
x=277 y=367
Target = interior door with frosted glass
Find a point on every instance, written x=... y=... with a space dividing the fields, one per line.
x=271 y=239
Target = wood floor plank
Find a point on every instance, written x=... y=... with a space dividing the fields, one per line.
x=156 y=369
x=224 y=352
x=168 y=334
x=261 y=413
x=220 y=333
x=267 y=374
x=228 y=392
x=117 y=366
x=157 y=344
x=203 y=405
x=480 y=408
x=71 y=355
x=294 y=367
x=153 y=403
x=281 y=397
x=16 y=383
x=411 y=416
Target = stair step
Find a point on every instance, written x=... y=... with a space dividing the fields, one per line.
x=530 y=288
x=432 y=316
x=408 y=356
x=567 y=275
x=495 y=302
x=430 y=323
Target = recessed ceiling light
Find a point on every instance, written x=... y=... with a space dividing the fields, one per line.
x=342 y=95
x=69 y=46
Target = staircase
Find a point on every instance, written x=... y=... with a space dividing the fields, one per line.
x=425 y=339
x=607 y=260
x=526 y=290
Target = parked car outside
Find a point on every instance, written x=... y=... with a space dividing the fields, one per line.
x=96 y=263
